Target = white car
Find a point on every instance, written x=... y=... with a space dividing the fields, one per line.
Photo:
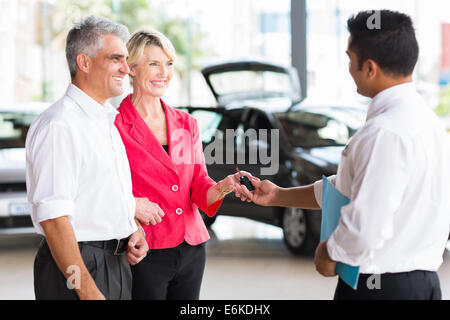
x=15 y=121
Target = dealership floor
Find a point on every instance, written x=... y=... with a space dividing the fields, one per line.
x=245 y=260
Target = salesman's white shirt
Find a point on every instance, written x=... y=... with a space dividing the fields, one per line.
x=396 y=172
x=77 y=167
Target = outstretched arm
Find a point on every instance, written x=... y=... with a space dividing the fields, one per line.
x=267 y=193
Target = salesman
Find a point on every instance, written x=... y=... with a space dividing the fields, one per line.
x=395 y=171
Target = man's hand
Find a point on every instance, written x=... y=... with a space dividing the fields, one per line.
x=148 y=212
x=66 y=252
x=137 y=247
x=324 y=265
x=265 y=192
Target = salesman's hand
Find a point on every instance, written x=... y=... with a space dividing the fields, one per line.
x=324 y=265
x=265 y=192
x=148 y=212
x=137 y=247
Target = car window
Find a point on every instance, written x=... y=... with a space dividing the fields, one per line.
x=14 y=128
x=314 y=129
x=208 y=123
x=248 y=132
x=244 y=81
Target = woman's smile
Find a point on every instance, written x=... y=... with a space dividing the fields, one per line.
x=159 y=83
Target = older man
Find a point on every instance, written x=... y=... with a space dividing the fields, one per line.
x=78 y=176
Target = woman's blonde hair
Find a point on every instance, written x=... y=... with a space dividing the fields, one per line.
x=143 y=38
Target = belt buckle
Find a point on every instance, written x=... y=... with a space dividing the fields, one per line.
x=117 y=248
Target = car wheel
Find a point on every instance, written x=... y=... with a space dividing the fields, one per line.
x=296 y=231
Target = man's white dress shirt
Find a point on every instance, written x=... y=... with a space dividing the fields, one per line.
x=396 y=172
x=77 y=167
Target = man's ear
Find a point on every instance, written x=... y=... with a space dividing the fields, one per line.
x=371 y=68
x=83 y=62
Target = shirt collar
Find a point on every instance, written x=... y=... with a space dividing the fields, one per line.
x=382 y=102
x=105 y=113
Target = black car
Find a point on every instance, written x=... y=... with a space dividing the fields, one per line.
x=261 y=126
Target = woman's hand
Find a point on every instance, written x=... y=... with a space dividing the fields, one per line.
x=232 y=183
x=148 y=212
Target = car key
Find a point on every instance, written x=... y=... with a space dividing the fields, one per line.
x=245 y=181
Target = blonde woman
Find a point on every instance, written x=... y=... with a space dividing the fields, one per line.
x=168 y=168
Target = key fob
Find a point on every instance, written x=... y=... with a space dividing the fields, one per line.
x=246 y=182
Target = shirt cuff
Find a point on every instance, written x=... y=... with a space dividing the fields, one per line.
x=54 y=209
x=318 y=192
x=338 y=254
x=333 y=249
x=209 y=210
x=318 y=185
x=212 y=209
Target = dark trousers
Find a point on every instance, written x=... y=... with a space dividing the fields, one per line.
x=110 y=272
x=414 y=285
x=170 y=274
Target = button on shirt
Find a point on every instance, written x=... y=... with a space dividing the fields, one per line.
x=77 y=167
x=396 y=172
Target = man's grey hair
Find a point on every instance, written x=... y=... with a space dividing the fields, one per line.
x=86 y=36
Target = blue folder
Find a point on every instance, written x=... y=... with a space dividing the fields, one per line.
x=332 y=202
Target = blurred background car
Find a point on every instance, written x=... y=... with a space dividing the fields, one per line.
x=15 y=121
x=260 y=95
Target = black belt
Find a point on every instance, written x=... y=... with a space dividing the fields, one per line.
x=117 y=247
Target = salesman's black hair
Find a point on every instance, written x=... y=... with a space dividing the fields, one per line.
x=387 y=37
